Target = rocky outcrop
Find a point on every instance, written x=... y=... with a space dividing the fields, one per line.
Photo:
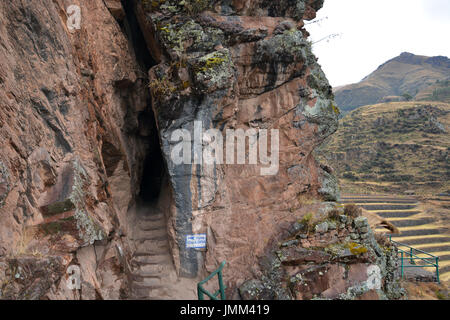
x=72 y=146
x=83 y=139
x=238 y=65
x=336 y=257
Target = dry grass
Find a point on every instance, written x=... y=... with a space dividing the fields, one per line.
x=426 y=290
x=334 y=214
x=352 y=210
x=27 y=236
x=308 y=222
x=306 y=199
x=382 y=240
x=390 y=148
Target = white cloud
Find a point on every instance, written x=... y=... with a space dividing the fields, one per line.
x=373 y=32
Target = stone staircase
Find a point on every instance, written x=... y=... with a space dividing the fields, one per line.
x=153 y=272
x=416 y=229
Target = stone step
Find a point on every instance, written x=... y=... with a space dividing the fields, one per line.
x=152 y=259
x=387 y=206
x=147 y=282
x=417 y=232
x=412 y=242
x=157 y=236
x=411 y=222
x=144 y=292
x=159 y=293
x=396 y=214
x=444 y=269
x=428 y=247
x=139 y=278
x=153 y=234
x=154 y=269
x=153 y=246
x=379 y=200
x=152 y=225
x=151 y=217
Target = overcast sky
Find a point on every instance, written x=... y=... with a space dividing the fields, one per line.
x=373 y=32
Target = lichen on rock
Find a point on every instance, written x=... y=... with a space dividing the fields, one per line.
x=327 y=264
x=188 y=36
x=214 y=71
x=287 y=47
x=5 y=187
x=225 y=64
x=89 y=230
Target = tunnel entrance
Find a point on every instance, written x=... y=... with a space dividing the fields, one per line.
x=153 y=173
x=152 y=170
x=152 y=261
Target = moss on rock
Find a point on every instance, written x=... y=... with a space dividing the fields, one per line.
x=5 y=187
x=188 y=36
x=288 y=47
x=214 y=71
x=89 y=230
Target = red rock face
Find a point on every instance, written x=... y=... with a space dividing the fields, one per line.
x=244 y=65
x=63 y=97
x=76 y=126
x=341 y=261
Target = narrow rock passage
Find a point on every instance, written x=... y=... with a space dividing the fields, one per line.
x=153 y=271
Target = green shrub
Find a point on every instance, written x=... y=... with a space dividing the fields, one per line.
x=161 y=88
x=307 y=222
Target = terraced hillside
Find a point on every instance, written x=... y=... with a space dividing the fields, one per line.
x=408 y=75
x=393 y=147
x=418 y=228
x=439 y=91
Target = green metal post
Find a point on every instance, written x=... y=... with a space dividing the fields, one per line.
x=402 y=264
x=201 y=291
x=221 y=286
x=200 y=294
x=411 y=255
x=437 y=270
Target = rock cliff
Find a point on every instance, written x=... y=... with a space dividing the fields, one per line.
x=93 y=94
x=335 y=256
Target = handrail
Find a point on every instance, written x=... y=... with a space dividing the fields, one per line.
x=412 y=257
x=405 y=245
x=202 y=291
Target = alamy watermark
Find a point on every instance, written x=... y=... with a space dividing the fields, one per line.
x=207 y=147
x=73 y=277
x=74 y=17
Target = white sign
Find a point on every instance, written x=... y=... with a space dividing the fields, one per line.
x=196 y=241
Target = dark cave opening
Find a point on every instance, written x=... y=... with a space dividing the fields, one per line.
x=152 y=170
x=132 y=29
x=153 y=173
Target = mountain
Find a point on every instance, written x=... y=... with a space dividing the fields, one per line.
x=392 y=147
x=417 y=77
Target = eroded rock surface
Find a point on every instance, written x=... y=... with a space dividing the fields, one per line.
x=344 y=262
x=78 y=123
x=239 y=65
x=70 y=147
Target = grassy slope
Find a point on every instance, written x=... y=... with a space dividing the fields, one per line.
x=392 y=147
x=440 y=91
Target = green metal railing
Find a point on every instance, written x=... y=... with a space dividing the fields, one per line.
x=410 y=255
x=202 y=291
